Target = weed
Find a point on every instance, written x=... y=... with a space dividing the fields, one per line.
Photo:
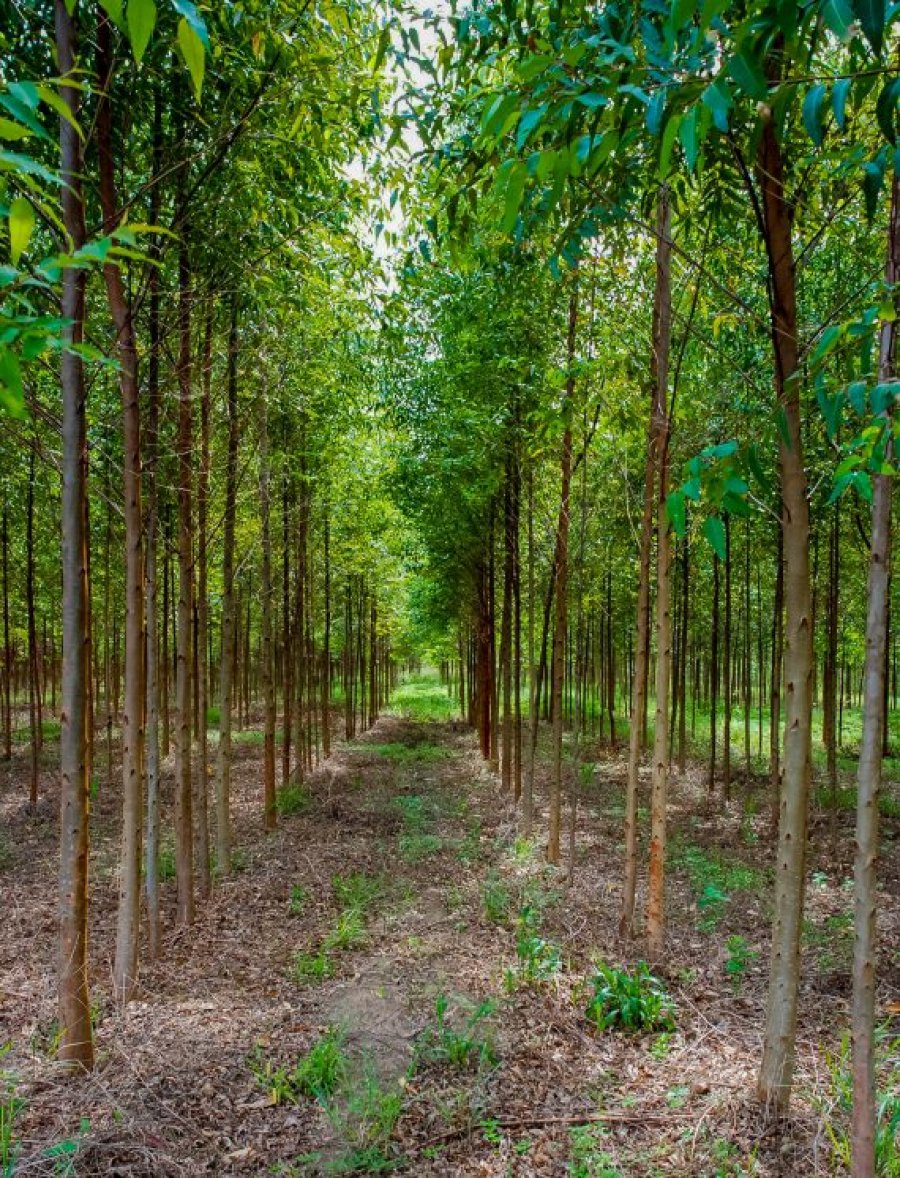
x=463 y=1048
x=307 y=968
x=496 y=899
x=454 y=898
x=587 y=1159
x=292 y=798
x=837 y=1106
x=539 y=960
x=63 y=1153
x=166 y=863
x=10 y=1107
x=317 y=1075
x=630 y=1001
x=299 y=899
x=470 y=847
x=740 y=957
x=349 y=932
x=661 y=1045
x=416 y=847
x=240 y=860
x=357 y=891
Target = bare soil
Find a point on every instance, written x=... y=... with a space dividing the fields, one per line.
x=187 y=1078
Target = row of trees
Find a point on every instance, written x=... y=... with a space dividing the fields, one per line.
x=228 y=548
x=733 y=171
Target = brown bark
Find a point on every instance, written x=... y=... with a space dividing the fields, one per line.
x=777 y=1067
x=268 y=682
x=560 y=589
x=226 y=668
x=125 y=966
x=76 y=1042
x=662 y=328
x=870 y=757
x=201 y=647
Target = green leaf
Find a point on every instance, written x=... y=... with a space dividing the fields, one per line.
x=113 y=9
x=21 y=227
x=655 y=111
x=687 y=133
x=838 y=16
x=527 y=124
x=886 y=109
x=717 y=98
x=812 y=113
x=873 y=181
x=13 y=130
x=191 y=14
x=827 y=342
x=141 y=18
x=748 y=76
x=667 y=143
x=714 y=531
x=871 y=16
x=195 y=58
x=676 y=512
x=12 y=395
x=515 y=188
x=839 y=101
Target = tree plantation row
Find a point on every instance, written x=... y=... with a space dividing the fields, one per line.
x=551 y=345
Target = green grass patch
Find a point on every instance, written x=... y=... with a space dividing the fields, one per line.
x=291 y=799
x=424 y=698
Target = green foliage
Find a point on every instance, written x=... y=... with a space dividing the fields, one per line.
x=713 y=879
x=348 y=931
x=740 y=956
x=298 y=900
x=539 y=960
x=587 y=1157
x=317 y=1075
x=292 y=799
x=357 y=891
x=460 y=1047
x=629 y=1000
x=837 y=1107
x=308 y=968
x=497 y=899
x=11 y=1106
x=422 y=699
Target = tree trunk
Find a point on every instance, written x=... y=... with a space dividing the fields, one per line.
x=777 y=1067
x=34 y=687
x=268 y=682
x=151 y=686
x=561 y=569
x=125 y=966
x=870 y=757
x=226 y=667
x=7 y=647
x=76 y=1047
x=184 y=835
x=201 y=651
x=659 y=458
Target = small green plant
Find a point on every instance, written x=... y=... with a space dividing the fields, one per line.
x=661 y=1045
x=10 y=1107
x=349 y=931
x=416 y=847
x=740 y=957
x=539 y=960
x=587 y=1158
x=837 y=1106
x=63 y=1153
x=324 y=1067
x=317 y=1075
x=711 y=906
x=299 y=899
x=460 y=1048
x=496 y=899
x=308 y=968
x=357 y=891
x=629 y=1001
x=166 y=863
x=292 y=798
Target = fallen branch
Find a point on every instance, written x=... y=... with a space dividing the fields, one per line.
x=613 y=1116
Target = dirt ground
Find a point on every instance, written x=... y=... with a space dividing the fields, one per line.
x=399 y=927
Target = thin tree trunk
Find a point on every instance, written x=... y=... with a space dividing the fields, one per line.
x=662 y=326
x=76 y=1043
x=727 y=684
x=125 y=966
x=561 y=568
x=184 y=835
x=226 y=668
x=7 y=647
x=34 y=687
x=201 y=656
x=268 y=683
x=777 y=1067
x=151 y=685
x=870 y=758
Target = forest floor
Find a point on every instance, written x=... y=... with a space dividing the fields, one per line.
x=396 y=980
